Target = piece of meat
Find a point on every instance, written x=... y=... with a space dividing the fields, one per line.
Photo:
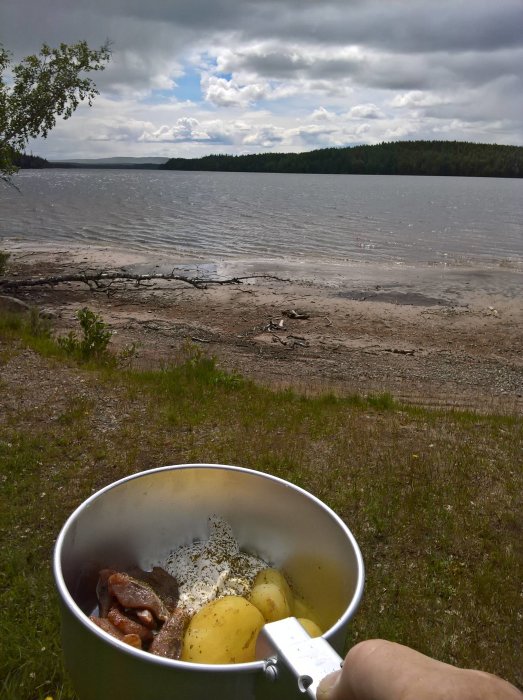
x=105 y=599
x=168 y=642
x=128 y=626
x=107 y=626
x=131 y=593
x=133 y=640
x=163 y=584
x=146 y=618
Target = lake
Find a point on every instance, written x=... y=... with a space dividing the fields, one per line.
x=379 y=219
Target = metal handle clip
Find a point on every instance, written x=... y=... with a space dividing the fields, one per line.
x=286 y=643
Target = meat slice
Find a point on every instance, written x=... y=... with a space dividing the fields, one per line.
x=133 y=640
x=163 y=584
x=128 y=626
x=131 y=593
x=168 y=642
x=107 y=626
x=146 y=618
x=105 y=599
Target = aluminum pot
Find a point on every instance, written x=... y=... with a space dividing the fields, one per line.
x=140 y=519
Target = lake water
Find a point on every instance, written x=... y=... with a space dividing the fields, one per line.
x=358 y=218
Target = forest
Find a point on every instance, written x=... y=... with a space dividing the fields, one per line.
x=395 y=158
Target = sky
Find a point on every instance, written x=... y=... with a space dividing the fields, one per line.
x=192 y=77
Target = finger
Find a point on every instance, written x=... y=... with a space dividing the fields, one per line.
x=327 y=688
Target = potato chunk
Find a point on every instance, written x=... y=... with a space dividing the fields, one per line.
x=271 y=595
x=310 y=627
x=302 y=609
x=223 y=632
x=276 y=577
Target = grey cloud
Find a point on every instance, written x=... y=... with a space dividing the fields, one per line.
x=460 y=61
x=281 y=63
x=402 y=25
x=421 y=26
x=364 y=68
x=366 y=111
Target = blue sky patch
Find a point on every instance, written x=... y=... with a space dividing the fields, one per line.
x=188 y=87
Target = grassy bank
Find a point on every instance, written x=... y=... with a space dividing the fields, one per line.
x=433 y=498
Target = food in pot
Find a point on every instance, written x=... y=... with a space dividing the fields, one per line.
x=136 y=595
x=133 y=608
x=169 y=640
x=213 y=568
x=223 y=632
x=272 y=595
x=207 y=605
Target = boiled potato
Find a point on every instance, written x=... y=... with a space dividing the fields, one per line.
x=276 y=577
x=271 y=595
x=310 y=627
x=223 y=632
x=270 y=601
x=301 y=609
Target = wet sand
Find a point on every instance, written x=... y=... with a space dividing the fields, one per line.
x=436 y=335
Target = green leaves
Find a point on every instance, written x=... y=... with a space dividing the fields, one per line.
x=94 y=341
x=43 y=87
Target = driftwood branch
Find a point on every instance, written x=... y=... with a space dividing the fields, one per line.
x=103 y=280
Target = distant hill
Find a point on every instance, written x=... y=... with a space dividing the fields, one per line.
x=397 y=158
x=28 y=162
x=119 y=163
x=111 y=161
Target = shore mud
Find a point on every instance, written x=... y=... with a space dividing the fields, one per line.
x=433 y=335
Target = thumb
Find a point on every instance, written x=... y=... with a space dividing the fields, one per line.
x=327 y=687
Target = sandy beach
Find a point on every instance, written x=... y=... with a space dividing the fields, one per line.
x=434 y=335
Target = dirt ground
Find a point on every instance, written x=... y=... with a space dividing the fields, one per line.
x=451 y=338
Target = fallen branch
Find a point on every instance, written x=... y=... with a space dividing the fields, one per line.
x=103 y=280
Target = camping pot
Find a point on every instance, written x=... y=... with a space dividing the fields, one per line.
x=142 y=518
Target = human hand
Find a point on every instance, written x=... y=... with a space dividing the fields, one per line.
x=381 y=670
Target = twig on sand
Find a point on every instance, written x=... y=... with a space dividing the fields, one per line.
x=103 y=280
x=200 y=340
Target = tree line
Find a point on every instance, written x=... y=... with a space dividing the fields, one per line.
x=459 y=158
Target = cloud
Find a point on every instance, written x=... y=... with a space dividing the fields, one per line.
x=223 y=92
x=185 y=129
x=366 y=111
x=264 y=137
x=247 y=75
x=322 y=114
x=417 y=98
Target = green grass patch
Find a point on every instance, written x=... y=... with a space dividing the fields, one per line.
x=433 y=497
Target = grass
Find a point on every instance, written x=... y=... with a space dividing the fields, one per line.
x=433 y=497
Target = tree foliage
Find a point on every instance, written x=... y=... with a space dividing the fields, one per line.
x=397 y=158
x=41 y=88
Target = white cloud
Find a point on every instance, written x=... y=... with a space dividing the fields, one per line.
x=322 y=114
x=223 y=93
x=264 y=137
x=185 y=129
x=418 y=98
x=366 y=111
x=282 y=74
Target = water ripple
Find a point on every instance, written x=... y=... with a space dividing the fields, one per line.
x=376 y=218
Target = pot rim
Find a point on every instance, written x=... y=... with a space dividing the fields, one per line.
x=142 y=655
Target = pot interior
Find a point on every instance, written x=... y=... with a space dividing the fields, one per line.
x=142 y=519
